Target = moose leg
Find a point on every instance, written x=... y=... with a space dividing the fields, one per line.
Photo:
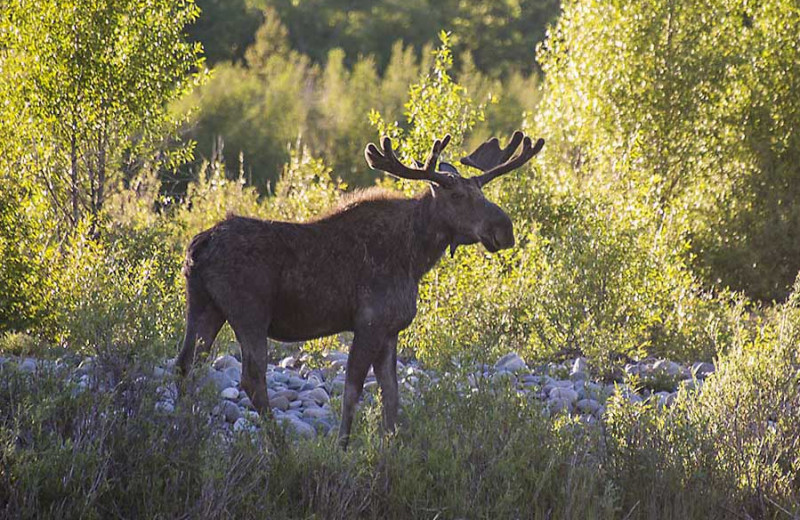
x=254 y=369
x=385 y=367
x=358 y=363
x=203 y=321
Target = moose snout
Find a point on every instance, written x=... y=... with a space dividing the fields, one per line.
x=499 y=234
x=504 y=235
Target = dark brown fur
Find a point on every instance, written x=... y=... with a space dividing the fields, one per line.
x=355 y=269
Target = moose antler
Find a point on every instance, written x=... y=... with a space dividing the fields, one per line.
x=495 y=161
x=388 y=162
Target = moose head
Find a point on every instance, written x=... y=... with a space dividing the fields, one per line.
x=461 y=206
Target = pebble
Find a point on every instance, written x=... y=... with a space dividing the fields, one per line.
x=230 y=411
x=279 y=402
x=230 y=393
x=28 y=366
x=511 y=362
x=225 y=362
x=564 y=393
x=300 y=396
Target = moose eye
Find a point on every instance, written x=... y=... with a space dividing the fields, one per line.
x=456 y=195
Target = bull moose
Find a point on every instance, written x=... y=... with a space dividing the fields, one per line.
x=355 y=269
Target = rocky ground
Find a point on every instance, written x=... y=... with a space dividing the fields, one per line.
x=301 y=396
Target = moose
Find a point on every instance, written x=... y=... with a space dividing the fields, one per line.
x=355 y=269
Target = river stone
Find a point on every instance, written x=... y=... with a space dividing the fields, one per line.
x=296 y=404
x=301 y=428
x=667 y=367
x=279 y=377
x=702 y=370
x=580 y=365
x=290 y=395
x=559 y=404
x=502 y=376
x=245 y=402
x=225 y=362
x=280 y=402
x=230 y=393
x=235 y=373
x=564 y=393
x=242 y=424
x=230 y=411
x=288 y=362
x=28 y=366
x=295 y=383
x=316 y=413
x=165 y=407
x=511 y=362
x=587 y=405
x=220 y=379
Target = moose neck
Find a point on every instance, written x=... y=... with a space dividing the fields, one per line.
x=430 y=236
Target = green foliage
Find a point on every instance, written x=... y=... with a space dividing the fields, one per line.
x=690 y=107
x=735 y=442
x=94 y=77
x=500 y=35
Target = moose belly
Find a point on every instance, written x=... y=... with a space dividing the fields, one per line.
x=300 y=317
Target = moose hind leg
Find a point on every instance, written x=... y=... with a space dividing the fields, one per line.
x=203 y=321
x=358 y=363
x=385 y=368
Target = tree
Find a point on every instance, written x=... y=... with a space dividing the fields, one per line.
x=95 y=77
x=689 y=107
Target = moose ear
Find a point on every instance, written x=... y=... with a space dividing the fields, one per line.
x=448 y=168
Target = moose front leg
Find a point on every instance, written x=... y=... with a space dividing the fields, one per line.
x=385 y=367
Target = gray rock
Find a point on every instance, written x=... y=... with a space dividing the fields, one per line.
x=296 y=404
x=667 y=367
x=86 y=366
x=288 y=362
x=165 y=407
x=580 y=365
x=702 y=370
x=664 y=399
x=224 y=362
x=301 y=428
x=567 y=394
x=230 y=393
x=559 y=405
x=564 y=383
x=245 y=402
x=28 y=366
x=242 y=425
x=295 y=383
x=235 y=373
x=692 y=384
x=502 y=377
x=290 y=395
x=511 y=362
x=633 y=369
x=337 y=386
x=166 y=392
x=159 y=373
x=220 y=379
x=587 y=405
x=279 y=377
x=230 y=411
x=316 y=413
x=578 y=376
x=279 y=402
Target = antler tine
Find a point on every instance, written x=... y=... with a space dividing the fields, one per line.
x=527 y=153
x=387 y=161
